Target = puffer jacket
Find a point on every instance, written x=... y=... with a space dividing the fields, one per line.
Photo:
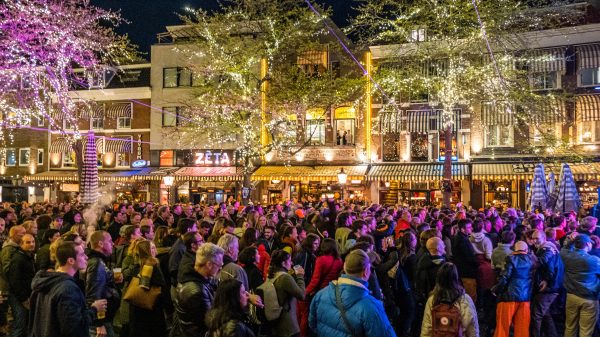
x=582 y=273
x=193 y=299
x=365 y=314
x=515 y=282
x=550 y=267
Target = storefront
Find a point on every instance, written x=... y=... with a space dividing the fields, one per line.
x=208 y=184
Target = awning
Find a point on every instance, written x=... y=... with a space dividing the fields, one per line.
x=147 y=173
x=116 y=110
x=416 y=172
x=547 y=60
x=314 y=173
x=60 y=145
x=587 y=108
x=115 y=145
x=588 y=56
x=551 y=110
x=456 y=118
x=91 y=111
x=99 y=144
x=585 y=171
x=209 y=174
x=499 y=171
x=494 y=113
x=418 y=121
x=53 y=176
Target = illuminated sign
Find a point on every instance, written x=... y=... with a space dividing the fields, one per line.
x=211 y=158
x=139 y=163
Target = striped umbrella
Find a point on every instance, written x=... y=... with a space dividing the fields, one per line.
x=552 y=192
x=89 y=171
x=539 y=190
x=568 y=198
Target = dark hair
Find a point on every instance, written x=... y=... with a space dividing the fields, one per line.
x=226 y=305
x=184 y=225
x=249 y=237
x=189 y=238
x=508 y=237
x=277 y=258
x=405 y=251
x=145 y=230
x=308 y=242
x=70 y=237
x=247 y=256
x=64 y=251
x=48 y=234
x=205 y=224
x=43 y=222
x=329 y=247
x=447 y=288
x=463 y=223
x=128 y=232
x=366 y=238
x=477 y=226
x=358 y=225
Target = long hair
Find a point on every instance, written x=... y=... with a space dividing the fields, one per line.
x=277 y=258
x=226 y=306
x=329 y=247
x=144 y=252
x=405 y=250
x=447 y=285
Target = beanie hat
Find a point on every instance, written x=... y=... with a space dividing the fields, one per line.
x=356 y=262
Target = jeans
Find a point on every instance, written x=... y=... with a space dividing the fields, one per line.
x=581 y=316
x=110 y=331
x=541 y=315
x=20 y=317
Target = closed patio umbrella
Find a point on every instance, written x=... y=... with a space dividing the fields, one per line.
x=539 y=190
x=568 y=198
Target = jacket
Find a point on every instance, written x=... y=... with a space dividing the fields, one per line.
x=364 y=313
x=550 y=267
x=289 y=289
x=463 y=256
x=481 y=244
x=515 y=282
x=499 y=255
x=100 y=284
x=582 y=273
x=326 y=270
x=20 y=274
x=186 y=266
x=307 y=260
x=175 y=254
x=233 y=270
x=425 y=272
x=8 y=249
x=58 y=307
x=42 y=258
x=468 y=317
x=193 y=299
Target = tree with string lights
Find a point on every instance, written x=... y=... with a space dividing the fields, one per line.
x=257 y=67
x=460 y=53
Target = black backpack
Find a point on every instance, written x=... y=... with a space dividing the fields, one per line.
x=400 y=283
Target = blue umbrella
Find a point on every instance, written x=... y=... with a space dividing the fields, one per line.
x=539 y=190
x=568 y=198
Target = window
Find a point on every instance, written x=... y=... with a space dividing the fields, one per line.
x=40 y=157
x=69 y=159
x=500 y=136
x=124 y=123
x=166 y=158
x=418 y=35
x=24 y=157
x=344 y=125
x=315 y=131
x=67 y=125
x=170 y=78
x=545 y=133
x=179 y=77
x=170 y=116
x=545 y=80
x=97 y=123
x=11 y=157
x=41 y=121
x=588 y=132
x=123 y=159
x=589 y=76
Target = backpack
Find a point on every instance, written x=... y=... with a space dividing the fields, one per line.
x=341 y=236
x=400 y=282
x=445 y=321
x=272 y=309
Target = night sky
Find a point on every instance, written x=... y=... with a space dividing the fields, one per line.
x=149 y=17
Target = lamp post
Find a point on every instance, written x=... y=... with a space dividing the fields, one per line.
x=342 y=178
x=168 y=181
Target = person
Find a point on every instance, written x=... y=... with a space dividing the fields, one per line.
x=289 y=288
x=42 y=257
x=549 y=278
x=582 y=282
x=192 y=241
x=119 y=220
x=143 y=322
x=503 y=250
x=248 y=259
x=402 y=287
x=101 y=283
x=362 y=311
x=178 y=249
x=227 y=318
x=306 y=258
x=21 y=271
x=231 y=269
x=327 y=267
x=195 y=293
x=58 y=307
x=163 y=216
x=448 y=290
x=464 y=256
x=9 y=247
x=514 y=290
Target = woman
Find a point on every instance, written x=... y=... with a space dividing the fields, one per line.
x=249 y=238
x=306 y=258
x=327 y=267
x=144 y=322
x=159 y=234
x=248 y=259
x=42 y=258
x=448 y=290
x=262 y=222
x=227 y=318
x=290 y=288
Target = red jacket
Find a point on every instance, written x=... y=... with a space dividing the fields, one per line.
x=327 y=269
x=265 y=260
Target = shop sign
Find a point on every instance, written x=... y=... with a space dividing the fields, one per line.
x=139 y=163
x=212 y=158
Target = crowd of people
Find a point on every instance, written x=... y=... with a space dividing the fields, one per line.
x=328 y=268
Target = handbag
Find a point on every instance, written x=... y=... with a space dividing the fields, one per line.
x=140 y=297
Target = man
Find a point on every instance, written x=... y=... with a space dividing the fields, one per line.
x=514 y=292
x=503 y=250
x=463 y=255
x=178 y=213
x=363 y=313
x=359 y=229
x=119 y=219
x=57 y=222
x=588 y=225
x=192 y=241
x=21 y=271
x=178 y=249
x=582 y=282
x=9 y=248
x=427 y=267
x=549 y=278
x=101 y=283
x=129 y=234
x=268 y=239
x=230 y=245
x=9 y=216
x=195 y=292
x=58 y=307
x=147 y=232
x=188 y=212
x=163 y=216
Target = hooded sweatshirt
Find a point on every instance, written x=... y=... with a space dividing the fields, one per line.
x=481 y=244
x=58 y=307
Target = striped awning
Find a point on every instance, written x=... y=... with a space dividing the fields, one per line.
x=418 y=120
x=587 y=108
x=99 y=144
x=91 y=111
x=209 y=174
x=116 y=145
x=117 y=110
x=588 y=56
x=70 y=175
x=551 y=110
x=60 y=145
x=456 y=118
x=314 y=173
x=415 y=172
x=547 y=60
x=494 y=113
x=143 y=174
x=392 y=121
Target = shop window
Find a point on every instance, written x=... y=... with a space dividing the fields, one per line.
x=124 y=123
x=315 y=126
x=545 y=80
x=166 y=158
x=442 y=147
x=344 y=125
x=588 y=132
x=99 y=160
x=24 y=157
x=40 y=157
x=11 y=157
x=500 y=136
x=69 y=159
x=419 y=146
x=589 y=76
x=123 y=159
x=97 y=123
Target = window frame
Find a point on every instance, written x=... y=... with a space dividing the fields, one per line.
x=535 y=132
x=14 y=150
x=64 y=163
x=176 y=117
x=580 y=77
x=352 y=129
x=557 y=81
x=24 y=150
x=511 y=133
x=40 y=160
x=119 y=123
x=595 y=137
x=93 y=119
x=309 y=136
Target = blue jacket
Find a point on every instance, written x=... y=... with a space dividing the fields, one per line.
x=550 y=268
x=582 y=273
x=515 y=283
x=365 y=314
